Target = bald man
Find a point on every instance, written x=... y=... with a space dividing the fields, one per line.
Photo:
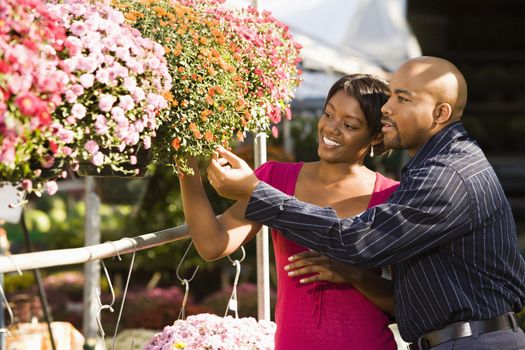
x=448 y=230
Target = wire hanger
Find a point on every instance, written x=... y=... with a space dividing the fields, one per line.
x=99 y=301
x=232 y=303
x=6 y=303
x=125 y=290
x=185 y=282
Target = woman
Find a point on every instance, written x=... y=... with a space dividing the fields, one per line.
x=320 y=303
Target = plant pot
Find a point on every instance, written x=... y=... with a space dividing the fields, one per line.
x=118 y=190
x=144 y=157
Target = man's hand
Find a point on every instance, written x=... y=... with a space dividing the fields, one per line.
x=234 y=181
x=321 y=268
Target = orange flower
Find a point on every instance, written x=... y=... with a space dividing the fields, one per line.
x=205 y=114
x=181 y=69
x=198 y=135
x=218 y=90
x=168 y=96
x=130 y=16
x=240 y=136
x=209 y=99
x=176 y=143
x=208 y=136
x=193 y=127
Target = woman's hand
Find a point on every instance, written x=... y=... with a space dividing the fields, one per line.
x=323 y=268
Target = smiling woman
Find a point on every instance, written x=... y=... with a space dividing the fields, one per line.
x=318 y=299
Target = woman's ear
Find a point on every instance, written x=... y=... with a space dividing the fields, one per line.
x=442 y=113
x=377 y=140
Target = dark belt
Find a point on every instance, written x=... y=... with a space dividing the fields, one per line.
x=465 y=329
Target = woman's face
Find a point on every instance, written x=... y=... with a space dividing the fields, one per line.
x=343 y=131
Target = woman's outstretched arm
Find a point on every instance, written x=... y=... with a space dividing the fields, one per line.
x=214 y=237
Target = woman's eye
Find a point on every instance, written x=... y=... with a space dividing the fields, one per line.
x=351 y=127
x=402 y=99
x=327 y=115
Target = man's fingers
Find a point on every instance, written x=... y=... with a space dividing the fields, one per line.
x=305 y=270
x=302 y=255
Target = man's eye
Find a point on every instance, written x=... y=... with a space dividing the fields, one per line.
x=402 y=99
x=327 y=115
x=351 y=127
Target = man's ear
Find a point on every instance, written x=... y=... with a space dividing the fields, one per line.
x=442 y=113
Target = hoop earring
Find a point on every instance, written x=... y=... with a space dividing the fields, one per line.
x=371 y=151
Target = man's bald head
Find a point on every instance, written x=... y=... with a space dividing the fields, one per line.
x=441 y=79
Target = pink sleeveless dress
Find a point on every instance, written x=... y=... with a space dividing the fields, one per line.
x=322 y=315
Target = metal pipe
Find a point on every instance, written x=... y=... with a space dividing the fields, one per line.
x=61 y=257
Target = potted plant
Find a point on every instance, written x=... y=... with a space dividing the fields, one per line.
x=233 y=72
x=114 y=97
x=31 y=85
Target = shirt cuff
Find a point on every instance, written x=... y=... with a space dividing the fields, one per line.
x=265 y=204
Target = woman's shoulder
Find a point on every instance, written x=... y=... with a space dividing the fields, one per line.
x=273 y=166
x=281 y=175
x=384 y=188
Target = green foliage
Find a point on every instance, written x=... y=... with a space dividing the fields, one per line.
x=16 y=283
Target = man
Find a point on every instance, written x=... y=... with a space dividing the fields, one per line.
x=448 y=230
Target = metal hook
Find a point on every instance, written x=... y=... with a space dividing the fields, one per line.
x=232 y=302
x=104 y=306
x=115 y=248
x=14 y=264
x=180 y=264
x=241 y=260
x=9 y=311
x=182 y=312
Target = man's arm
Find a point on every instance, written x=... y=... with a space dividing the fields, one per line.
x=429 y=209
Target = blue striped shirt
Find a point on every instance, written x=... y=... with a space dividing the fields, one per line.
x=448 y=231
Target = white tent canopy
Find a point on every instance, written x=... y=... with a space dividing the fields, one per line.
x=346 y=36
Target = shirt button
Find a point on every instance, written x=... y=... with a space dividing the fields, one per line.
x=281 y=206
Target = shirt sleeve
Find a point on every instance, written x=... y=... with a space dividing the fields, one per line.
x=429 y=209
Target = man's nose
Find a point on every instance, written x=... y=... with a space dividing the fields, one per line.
x=385 y=110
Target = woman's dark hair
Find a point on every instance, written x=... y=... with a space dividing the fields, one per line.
x=371 y=92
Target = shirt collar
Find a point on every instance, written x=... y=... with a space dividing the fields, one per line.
x=437 y=143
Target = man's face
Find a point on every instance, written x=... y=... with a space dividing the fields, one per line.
x=408 y=113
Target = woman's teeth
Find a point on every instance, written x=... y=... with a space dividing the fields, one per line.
x=329 y=142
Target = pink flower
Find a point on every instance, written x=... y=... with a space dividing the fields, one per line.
x=126 y=102
x=28 y=104
x=78 y=111
x=98 y=159
x=51 y=187
x=78 y=28
x=275 y=131
x=87 y=80
x=105 y=103
x=27 y=185
x=92 y=147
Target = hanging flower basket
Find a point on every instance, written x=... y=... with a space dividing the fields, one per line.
x=232 y=71
x=113 y=101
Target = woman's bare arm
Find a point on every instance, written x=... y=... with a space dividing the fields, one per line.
x=214 y=237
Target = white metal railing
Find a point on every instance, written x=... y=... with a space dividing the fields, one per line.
x=59 y=257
